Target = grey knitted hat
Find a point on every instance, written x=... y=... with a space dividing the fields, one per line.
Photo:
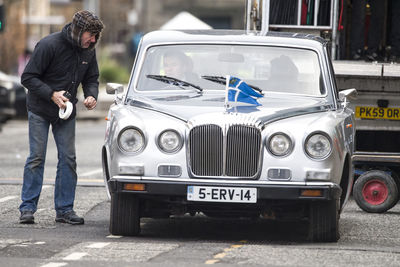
x=85 y=21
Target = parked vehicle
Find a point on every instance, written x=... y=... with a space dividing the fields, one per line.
x=174 y=145
x=377 y=111
x=12 y=97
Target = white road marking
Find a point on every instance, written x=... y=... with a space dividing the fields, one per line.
x=46 y=186
x=55 y=264
x=209 y=262
x=98 y=245
x=90 y=180
x=91 y=173
x=4 y=199
x=25 y=244
x=75 y=256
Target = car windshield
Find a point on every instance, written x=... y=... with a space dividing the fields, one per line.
x=271 y=69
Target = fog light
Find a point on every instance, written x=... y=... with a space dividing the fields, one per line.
x=131 y=169
x=311 y=193
x=324 y=175
x=135 y=187
x=169 y=171
x=279 y=174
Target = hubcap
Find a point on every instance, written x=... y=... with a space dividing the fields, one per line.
x=375 y=192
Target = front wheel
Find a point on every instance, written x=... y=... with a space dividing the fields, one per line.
x=324 y=221
x=375 y=191
x=124 y=215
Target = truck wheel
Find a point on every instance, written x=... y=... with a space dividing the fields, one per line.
x=324 y=221
x=124 y=215
x=375 y=191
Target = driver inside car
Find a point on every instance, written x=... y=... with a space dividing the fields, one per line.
x=178 y=65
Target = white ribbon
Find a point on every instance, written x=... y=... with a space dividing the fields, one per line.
x=64 y=113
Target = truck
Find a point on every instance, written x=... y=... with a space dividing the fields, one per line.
x=377 y=112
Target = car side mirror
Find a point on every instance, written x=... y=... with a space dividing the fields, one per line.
x=347 y=94
x=114 y=88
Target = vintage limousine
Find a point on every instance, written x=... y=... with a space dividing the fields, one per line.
x=226 y=123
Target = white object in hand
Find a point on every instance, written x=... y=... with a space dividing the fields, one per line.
x=64 y=113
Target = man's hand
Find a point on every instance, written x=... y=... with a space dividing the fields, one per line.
x=90 y=102
x=59 y=98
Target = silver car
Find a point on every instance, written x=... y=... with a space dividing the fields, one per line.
x=177 y=143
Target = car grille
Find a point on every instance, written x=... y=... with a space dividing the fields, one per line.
x=206 y=150
x=241 y=145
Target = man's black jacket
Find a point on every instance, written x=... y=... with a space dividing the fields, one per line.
x=57 y=64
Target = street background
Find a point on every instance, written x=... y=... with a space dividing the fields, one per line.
x=366 y=239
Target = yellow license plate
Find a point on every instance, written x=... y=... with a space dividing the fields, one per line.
x=377 y=113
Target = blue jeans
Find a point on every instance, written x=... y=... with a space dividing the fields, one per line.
x=66 y=178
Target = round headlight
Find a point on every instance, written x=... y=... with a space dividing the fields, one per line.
x=318 y=146
x=280 y=144
x=169 y=141
x=131 y=140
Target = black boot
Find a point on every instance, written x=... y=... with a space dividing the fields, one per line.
x=27 y=217
x=70 y=217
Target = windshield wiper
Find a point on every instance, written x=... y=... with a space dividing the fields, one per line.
x=216 y=79
x=222 y=80
x=174 y=81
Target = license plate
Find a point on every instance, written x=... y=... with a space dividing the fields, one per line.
x=222 y=194
x=377 y=113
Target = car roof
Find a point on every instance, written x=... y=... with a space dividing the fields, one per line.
x=232 y=36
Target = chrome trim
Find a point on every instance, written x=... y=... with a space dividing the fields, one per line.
x=376 y=157
x=224 y=149
x=207 y=181
x=225 y=127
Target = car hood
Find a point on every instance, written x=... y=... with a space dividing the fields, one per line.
x=188 y=106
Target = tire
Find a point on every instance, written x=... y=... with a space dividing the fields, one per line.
x=124 y=215
x=396 y=178
x=324 y=221
x=375 y=192
x=106 y=173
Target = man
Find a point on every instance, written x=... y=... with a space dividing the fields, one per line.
x=176 y=64
x=59 y=63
